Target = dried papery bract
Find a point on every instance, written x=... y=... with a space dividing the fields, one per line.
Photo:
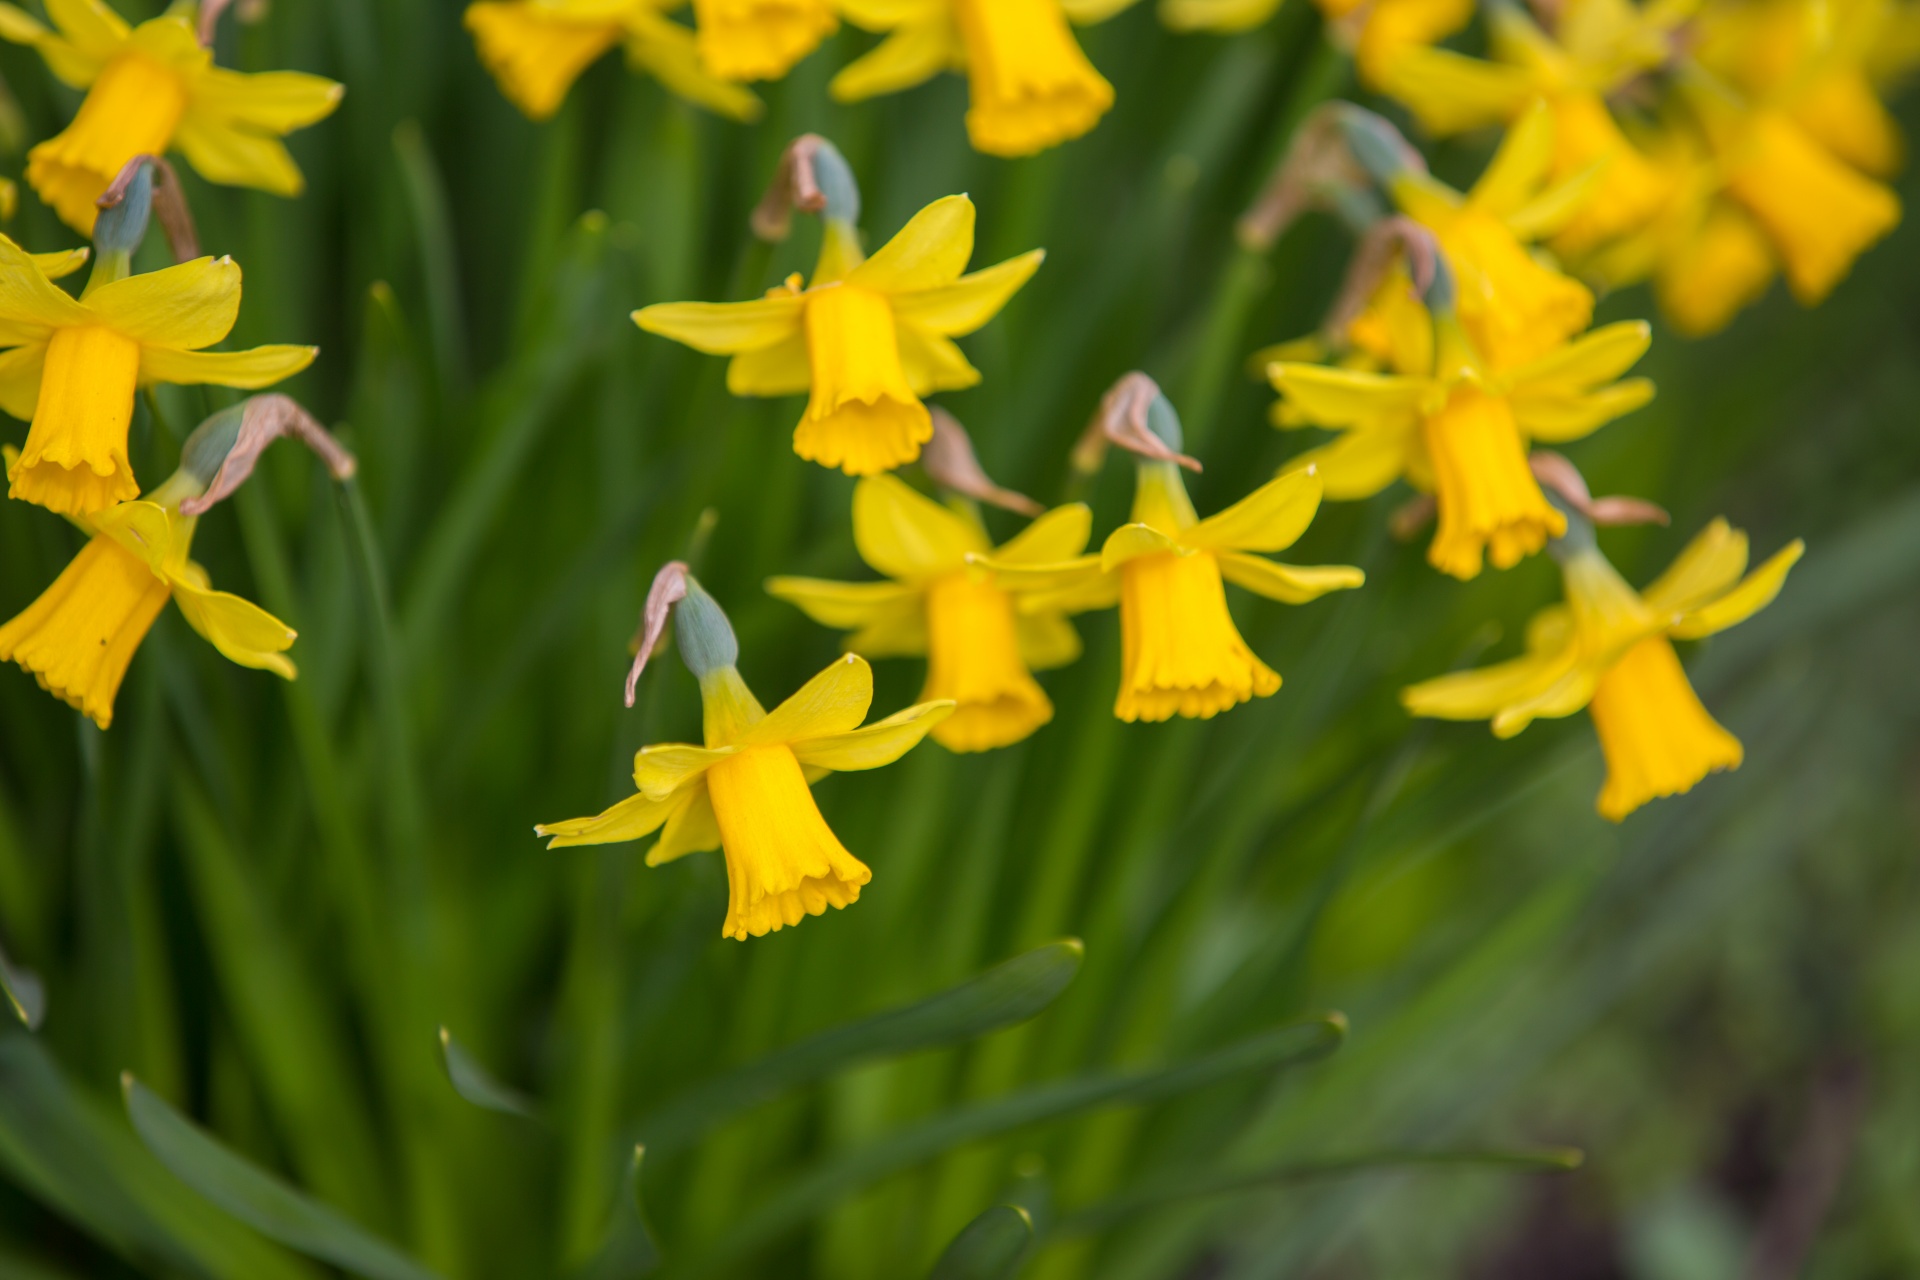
x=264 y=419
x=210 y=11
x=669 y=588
x=1122 y=420
x=950 y=462
x=795 y=185
x=1560 y=476
x=1319 y=172
x=169 y=204
x=1373 y=257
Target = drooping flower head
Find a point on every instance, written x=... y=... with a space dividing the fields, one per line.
x=1030 y=85
x=866 y=337
x=747 y=790
x=152 y=89
x=1610 y=649
x=1454 y=427
x=981 y=649
x=74 y=364
x=536 y=49
x=1181 y=653
x=78 y=638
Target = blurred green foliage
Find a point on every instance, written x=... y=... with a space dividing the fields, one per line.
x=265 y=901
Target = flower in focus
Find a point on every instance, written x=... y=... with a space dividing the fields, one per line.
x=1030 y=87
x=79 y=636
x=1180 y=651
x=1610 y=649
x=1453 y=427
x=980 y=649
x=74 y=365
x=747 y=790
x=867 y=337
x=153 y=88
x=536 y=49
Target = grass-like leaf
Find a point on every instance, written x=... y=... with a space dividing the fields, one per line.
x=476 y=1084
x=988 y=1248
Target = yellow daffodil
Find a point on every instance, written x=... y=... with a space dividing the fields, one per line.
x=867 y=338
x=151 y=89
x=746 y=791
x=1180 y=651
x=1373 y=31
x=1515 y=308
x=79 y=636
x=1601 y=45
x=1030 y=87
x=536 y=49
x=1610 y=649
x=981 y=651
x=1458 y=430
x=74 y=366
x=760 y=39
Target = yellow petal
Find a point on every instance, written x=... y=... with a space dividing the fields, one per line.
x=1087 y=12
x=62 y=262
x=1131 y=541
x=1480 y=695
x=633 y=818
x=691 y=828
x=89 y=25
x=237 y=157
x=241 y=630
x=535 y=52
x=906 y=535
x=1046 y=640
x=1588 y=360
x=871 y=746
x=29 y=299
x=779 y=370
x=1449 y=92
x=1060 y=534
x=725 y=328
x=911 y=55
x=1519 y=166
x=248 y=370
x=931 y=250
x=900 y=634
x=20 y=379
x=667 y=51
x=664 y=768
x=1557 y=419
x=1271 y=518
x=275 y=102
x=1224 y=16
x=1711 y=563
x=835 y=701
x=1360 y=463
x=186 y=307
x=1288 y=583
x=1755 y=593
x=845 y=606
x=1347 y=397
x=932 y=362
x=963 y=306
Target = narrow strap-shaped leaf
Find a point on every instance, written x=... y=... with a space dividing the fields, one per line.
x=627 y=1251
x=1194 y=1184
x=476 y=1084
x=1005 y=994
x=26 y=994
x=988 y=1248
x=256 y=1197
x=1287 y=1045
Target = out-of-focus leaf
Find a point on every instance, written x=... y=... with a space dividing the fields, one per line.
x=256 y=1197
x=476 y=1084
x=25 y=993
x=64 y=1150
x=988 y=1248
x=627 y=1250
x=1008 y=993
x=1283 y=1046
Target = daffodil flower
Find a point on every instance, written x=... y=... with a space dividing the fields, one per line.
x=75 y=364
x=154 y=88
x=1451 y=427
x=1610 y=649
x=759 y=39
x=1180 y=651
x=866 y=338
x=79 y=636
x=980 y=650
x=1030 y=86
x=746 y=791
x=1374 y=31
x=536 y=49
x=1515 y=308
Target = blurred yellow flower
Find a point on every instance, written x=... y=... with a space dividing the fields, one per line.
x=79 y=636
x=74 y=366
x=1180 y=651
x=1515 y=308
x=1610 y=649
x=746 y=791
x=1373 y=31
x=980 y=651
x=759 y=39
x=536 y=49
x=1460 y=431
x=867 y=338
x=152 y=88
x=1029 y=84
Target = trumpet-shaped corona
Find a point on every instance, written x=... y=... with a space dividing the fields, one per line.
x=759 y=39
x=981 y=649
x=866 y=339
x=1488 y=500
x=151 y=89
x=783 y=862
x=1180 y=652
x=1610 y=649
